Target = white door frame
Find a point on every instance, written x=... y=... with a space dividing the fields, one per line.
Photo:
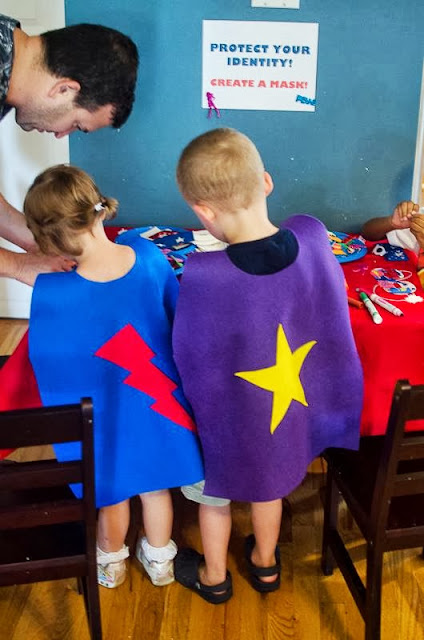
x=23 y=155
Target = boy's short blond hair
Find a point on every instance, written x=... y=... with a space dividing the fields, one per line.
x=62 y=202
x=221 y=167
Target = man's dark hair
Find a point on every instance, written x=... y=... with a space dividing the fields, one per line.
x=104 y=62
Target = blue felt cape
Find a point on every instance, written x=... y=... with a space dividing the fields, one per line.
x=112 y=341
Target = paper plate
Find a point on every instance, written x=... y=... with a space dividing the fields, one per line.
x=345 y=247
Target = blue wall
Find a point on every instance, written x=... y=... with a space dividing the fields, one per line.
x=348 y=161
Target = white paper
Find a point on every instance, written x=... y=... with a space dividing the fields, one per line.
x=259 y=65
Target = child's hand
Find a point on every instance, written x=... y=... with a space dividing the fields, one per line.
x=417 y=228
x=402 y=215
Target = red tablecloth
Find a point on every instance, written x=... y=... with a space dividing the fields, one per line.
x=388 y=351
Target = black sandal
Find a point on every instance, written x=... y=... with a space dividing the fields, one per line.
x=256 y=573
x=186 y=569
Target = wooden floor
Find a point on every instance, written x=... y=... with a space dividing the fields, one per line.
x=308 y=606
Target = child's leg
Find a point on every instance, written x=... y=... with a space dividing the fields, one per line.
x=157 y=517
x=266 y=521
x=215 y=530
x=112 y=526
x=156 y=550
x=207 y=574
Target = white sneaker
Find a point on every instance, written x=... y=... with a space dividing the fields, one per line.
x=157 y=561
x=111 y=567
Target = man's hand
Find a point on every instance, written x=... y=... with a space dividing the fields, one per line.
x=25 y=267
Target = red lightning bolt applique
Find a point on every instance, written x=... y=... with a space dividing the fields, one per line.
x=128 y=350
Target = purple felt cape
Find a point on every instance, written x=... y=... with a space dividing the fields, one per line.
x=260 y=431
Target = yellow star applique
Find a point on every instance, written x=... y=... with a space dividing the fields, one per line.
x=282 y=379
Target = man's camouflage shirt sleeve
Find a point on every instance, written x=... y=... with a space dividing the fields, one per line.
x=7 y=26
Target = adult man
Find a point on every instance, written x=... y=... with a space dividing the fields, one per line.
x=77 y=78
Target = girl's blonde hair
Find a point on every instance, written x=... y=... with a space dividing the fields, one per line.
x=221 y=167
x=62 y=202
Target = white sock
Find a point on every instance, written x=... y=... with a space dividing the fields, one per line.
x=159 y=554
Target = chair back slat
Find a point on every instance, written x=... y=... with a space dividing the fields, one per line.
x=41 y=513
x=407 y=484
x=40 y=473
x=35 y=570
x=41 y=426
x=412 y=446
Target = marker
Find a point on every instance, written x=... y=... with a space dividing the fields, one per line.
x=370 y=307
x=355 y=303
x=386 y=305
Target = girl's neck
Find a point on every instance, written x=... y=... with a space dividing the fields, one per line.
x=101 y=259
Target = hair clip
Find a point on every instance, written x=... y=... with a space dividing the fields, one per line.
x=99 y=206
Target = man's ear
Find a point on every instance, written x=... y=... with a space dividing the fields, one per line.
x=269 y=185
x=64 y=86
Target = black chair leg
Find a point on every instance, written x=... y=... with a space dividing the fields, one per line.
x=92 y=605
x=372 y=613
x=331 y=510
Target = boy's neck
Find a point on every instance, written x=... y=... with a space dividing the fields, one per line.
x=249 y=226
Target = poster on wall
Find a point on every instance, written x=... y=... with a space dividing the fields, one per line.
x=269 y=66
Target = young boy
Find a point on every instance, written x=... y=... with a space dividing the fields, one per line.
x=263 y=343
x=404 y=227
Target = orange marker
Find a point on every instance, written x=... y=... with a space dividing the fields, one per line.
x=355 y=303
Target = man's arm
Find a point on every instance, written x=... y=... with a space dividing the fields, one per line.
x=13 y=226
x=24 y=267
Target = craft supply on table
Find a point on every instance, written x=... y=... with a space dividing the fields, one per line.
x=177 y=243
x=346 y=247
x=385 y=304
x=376 y=317
x=390 y=252
x=355 y=303
x=394 y=281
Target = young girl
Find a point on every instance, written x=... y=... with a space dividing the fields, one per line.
x=104 y=330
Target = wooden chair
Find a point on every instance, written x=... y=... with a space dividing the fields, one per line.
x=46 y=533
x=383 y=487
